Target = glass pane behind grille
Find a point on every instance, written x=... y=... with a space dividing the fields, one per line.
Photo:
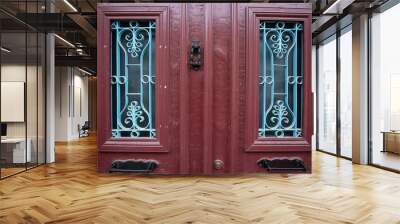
x=133 y=78
x=280 y=79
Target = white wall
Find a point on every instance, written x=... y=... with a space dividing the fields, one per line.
x=17 y=73
x=71 y=102
x=12 y=101
x=14 y=73
x=80 y=111
x=62 y=82
x=33 y=126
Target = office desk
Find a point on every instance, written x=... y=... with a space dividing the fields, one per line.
x=13 y=150
x=391 y=141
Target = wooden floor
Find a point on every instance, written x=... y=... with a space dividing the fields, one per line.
x=386 y=159
x=5 y=172
x=71 y=191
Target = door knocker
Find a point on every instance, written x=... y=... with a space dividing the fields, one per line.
x=195 y=56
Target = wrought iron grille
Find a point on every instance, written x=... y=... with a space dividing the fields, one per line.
x=133 y=78
x=280 y=79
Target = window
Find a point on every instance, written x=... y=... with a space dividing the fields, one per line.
x=133 y=78
x=280 y=79
x=327 y=96
x=385 y=89
x=346 y=93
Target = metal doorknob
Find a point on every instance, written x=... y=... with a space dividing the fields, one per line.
x=218 y=164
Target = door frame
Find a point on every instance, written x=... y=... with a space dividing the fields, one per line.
x=236 y=153
x=106 y=13
x=270 y=144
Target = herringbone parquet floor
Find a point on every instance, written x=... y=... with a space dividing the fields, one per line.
x=71 y=191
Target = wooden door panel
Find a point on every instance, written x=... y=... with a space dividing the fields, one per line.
x=209 y=114
x=301 y=22
x=221 y=50
x=251 y=148
x=195 y=22
x=164 y=147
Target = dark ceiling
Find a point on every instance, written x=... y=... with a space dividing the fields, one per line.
x=76 y=23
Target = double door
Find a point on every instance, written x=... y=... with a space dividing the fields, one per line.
x=203 y=88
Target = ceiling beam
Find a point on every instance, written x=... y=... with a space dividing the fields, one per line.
x=86 y=27
x=80 y=20
x=337 y=7
x=83 y=61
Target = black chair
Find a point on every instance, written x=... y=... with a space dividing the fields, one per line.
x=84 y=130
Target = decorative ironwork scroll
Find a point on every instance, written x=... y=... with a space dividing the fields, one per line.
x=133 y=78
x=280 y=79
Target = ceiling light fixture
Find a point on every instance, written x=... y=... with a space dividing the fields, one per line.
x=70 y=5
x=5 y=50
x=64 y=40
x=84 y=71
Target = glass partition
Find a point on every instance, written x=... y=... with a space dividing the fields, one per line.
x=385 y=89
x=327 y=96
x=14 y=144
x=32 y=97
x=346 y=93
x=22 y=88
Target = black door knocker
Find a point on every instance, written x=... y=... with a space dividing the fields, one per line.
x=195 y=56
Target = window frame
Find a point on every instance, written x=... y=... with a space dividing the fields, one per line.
x=107 y=143
x=254 y=143
x=339 y=32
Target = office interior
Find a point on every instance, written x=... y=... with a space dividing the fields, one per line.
x=334 y=91
x=23 y=87
x=25 y=63
x=47 y=96
x=49 y=151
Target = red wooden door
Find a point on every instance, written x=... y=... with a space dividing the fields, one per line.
x=205 y=118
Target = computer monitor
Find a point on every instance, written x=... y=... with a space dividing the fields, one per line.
x=3 y=130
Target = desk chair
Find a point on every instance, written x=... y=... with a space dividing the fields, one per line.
x=84 y=130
